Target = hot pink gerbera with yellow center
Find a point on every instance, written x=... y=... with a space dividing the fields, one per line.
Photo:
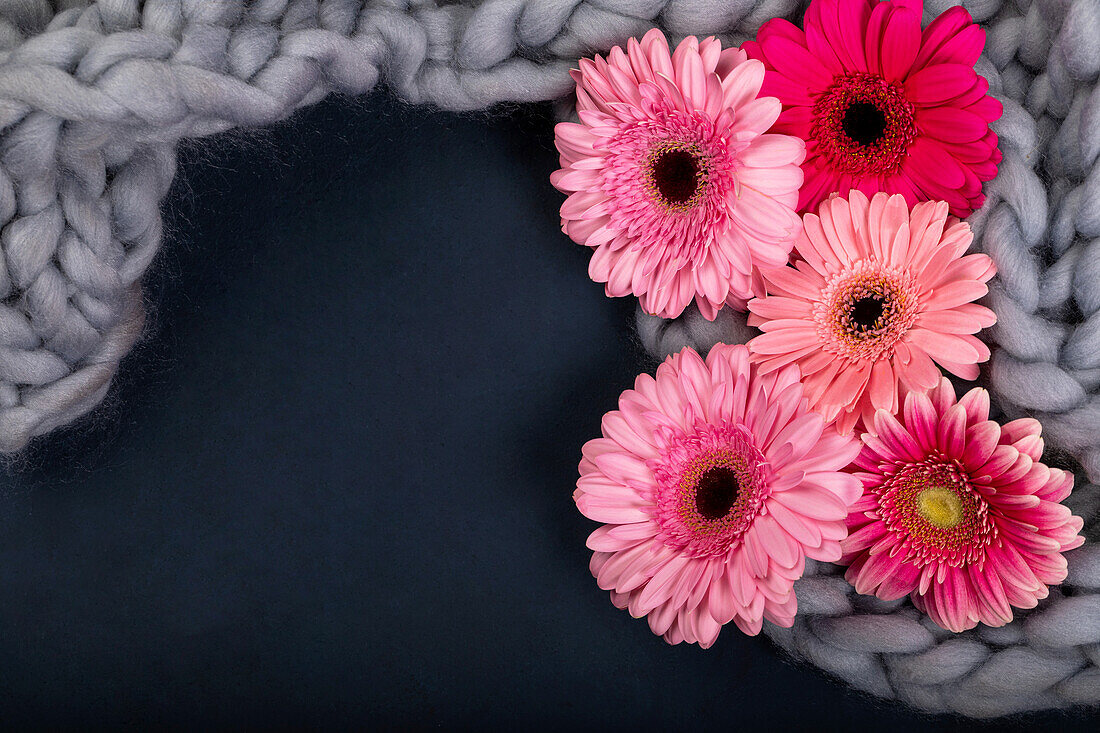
x=715 y=483
x=959 y=512
x=881 y=105
x=671 y=179
x=879 y=296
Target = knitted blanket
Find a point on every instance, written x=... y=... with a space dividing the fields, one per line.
x=95 y=96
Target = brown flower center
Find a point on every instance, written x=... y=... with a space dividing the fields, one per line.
x=677 y=175
x=716 y=492
x=712 y=483
x=863 y=124
x=866 y=313
x=865 y=310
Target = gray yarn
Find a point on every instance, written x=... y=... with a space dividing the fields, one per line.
x=662 y=337
x=95 y=96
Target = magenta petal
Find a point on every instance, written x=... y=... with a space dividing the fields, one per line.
x=900 y=43
x=951 y=125
x=932 y=167
x=940 y=83
x=843 y=24
x=794 y=61
x=875 y=572
x=946 y=26
x=900 y=583
x=963 y=48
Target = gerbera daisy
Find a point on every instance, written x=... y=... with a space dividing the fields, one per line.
x=671 y=178
x=881 y=105
x=879 y=294
x=715 y=483
x=959 y=512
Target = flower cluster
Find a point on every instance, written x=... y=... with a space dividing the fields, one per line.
x=819 y=178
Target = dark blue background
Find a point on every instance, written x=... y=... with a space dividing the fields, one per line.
x=333 y=484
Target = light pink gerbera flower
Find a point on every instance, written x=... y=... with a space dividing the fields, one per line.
x=715 y=483
x=959 y=512
x=671 y=179
x=881 y=105
x=879 y=296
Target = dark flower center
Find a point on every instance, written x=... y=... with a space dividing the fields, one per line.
x=676 y=175
x=866 y=313
x=711 y=485
x=864 y=123
x=716 y=492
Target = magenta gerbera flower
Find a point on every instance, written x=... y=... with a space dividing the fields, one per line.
x=879 y=296
x=958 y=512
x=715 y=483
x=881 y=105
x=671 y=179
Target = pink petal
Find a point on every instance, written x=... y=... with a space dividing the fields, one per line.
x=943 y=346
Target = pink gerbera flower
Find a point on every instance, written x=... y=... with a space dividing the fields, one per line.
x=671 y=178
x=879 y=294
x=881 y=105
x=715 y=483
x=959 y=512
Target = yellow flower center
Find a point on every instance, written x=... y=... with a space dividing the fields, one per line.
x=941 y=515
x=940 y=507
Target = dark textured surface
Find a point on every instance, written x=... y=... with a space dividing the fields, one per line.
x=333 y=485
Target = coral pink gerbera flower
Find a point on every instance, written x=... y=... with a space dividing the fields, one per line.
x=881 y=105
x=715 y=483
x=879 y=294
x=671 y=179
x=959 y=512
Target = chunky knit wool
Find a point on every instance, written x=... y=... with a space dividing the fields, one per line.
x=95 y=96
